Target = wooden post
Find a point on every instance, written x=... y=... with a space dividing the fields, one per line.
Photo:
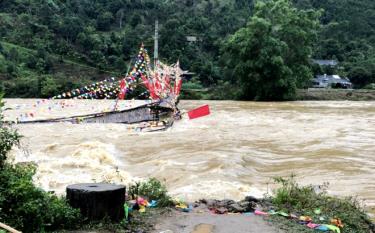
x=98 y=200
x=8 y=228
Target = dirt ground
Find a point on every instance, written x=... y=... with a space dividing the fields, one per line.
x=202 y=221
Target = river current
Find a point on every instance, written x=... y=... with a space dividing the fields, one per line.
x=233 y=152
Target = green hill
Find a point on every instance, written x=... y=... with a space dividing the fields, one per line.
x=49 y=46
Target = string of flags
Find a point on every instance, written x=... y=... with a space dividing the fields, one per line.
x=160 y=82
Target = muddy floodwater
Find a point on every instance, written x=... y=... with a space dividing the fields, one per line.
x=231 y=153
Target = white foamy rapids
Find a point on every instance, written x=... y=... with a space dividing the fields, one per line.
x=218 y=190
x=88 y=162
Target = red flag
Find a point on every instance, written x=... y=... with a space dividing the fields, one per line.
x=178 y=87
x=122 y=93
x=199 y=112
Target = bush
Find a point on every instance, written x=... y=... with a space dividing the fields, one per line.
x=22 y=205
x=370 y=86
x=151 y=189
x=292 y=198
x=192 y=89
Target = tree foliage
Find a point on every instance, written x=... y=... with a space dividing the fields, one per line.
x=84 y=41
x=107 y=34
x=270 y=56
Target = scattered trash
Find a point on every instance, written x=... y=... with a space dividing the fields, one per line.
x=261 y=213
x=184 y=207
x=152 y=204
x=305 y=218
x=312 y=225
x=283 y=214
x=322 y=228
x=333 y=228
x=126 y=210
x=337 y=222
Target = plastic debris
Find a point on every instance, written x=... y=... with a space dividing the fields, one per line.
x=312 y=225
x=261 y=213
x=142 y=209
x=126 y=210
x=184 y=207
x=272 y=212
x=305 y=218
x=152 y=204
x=282 y=213
x=322 y=228
x=337 y=222
x=333 y=228
x=308 y=221
x=142 y=202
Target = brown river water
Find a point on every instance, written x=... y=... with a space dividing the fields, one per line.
x=233 y=152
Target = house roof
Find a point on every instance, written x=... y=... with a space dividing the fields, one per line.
x=331 y=79
x=325 y=62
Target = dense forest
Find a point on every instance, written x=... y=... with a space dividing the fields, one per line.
x=51 y=46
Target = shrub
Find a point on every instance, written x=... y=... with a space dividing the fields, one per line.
x=370 y=86
x=151 y=189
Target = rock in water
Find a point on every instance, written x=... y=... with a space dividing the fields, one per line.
x=97 y=201
x=252 y=199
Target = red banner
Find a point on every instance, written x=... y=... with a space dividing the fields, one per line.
x=199 y=112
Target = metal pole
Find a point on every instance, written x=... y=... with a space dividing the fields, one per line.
x=156 y=44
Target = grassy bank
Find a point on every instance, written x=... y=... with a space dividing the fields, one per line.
x=191 y=90
x=347 y=214
x=335 y=94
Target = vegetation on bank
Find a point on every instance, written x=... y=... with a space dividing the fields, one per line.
x=22 y=205
x=335 y=94
x=52 y=46
x=317 y=204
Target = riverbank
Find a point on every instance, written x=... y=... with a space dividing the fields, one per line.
x=291 y=208
x=335 y=94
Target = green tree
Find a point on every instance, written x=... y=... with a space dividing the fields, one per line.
x=270 y=56
x=104 y=21
x=49 y=87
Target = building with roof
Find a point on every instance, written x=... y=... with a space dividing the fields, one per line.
x=330 y=81
x=331 y=63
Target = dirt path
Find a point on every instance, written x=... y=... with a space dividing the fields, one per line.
x=206 y=222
